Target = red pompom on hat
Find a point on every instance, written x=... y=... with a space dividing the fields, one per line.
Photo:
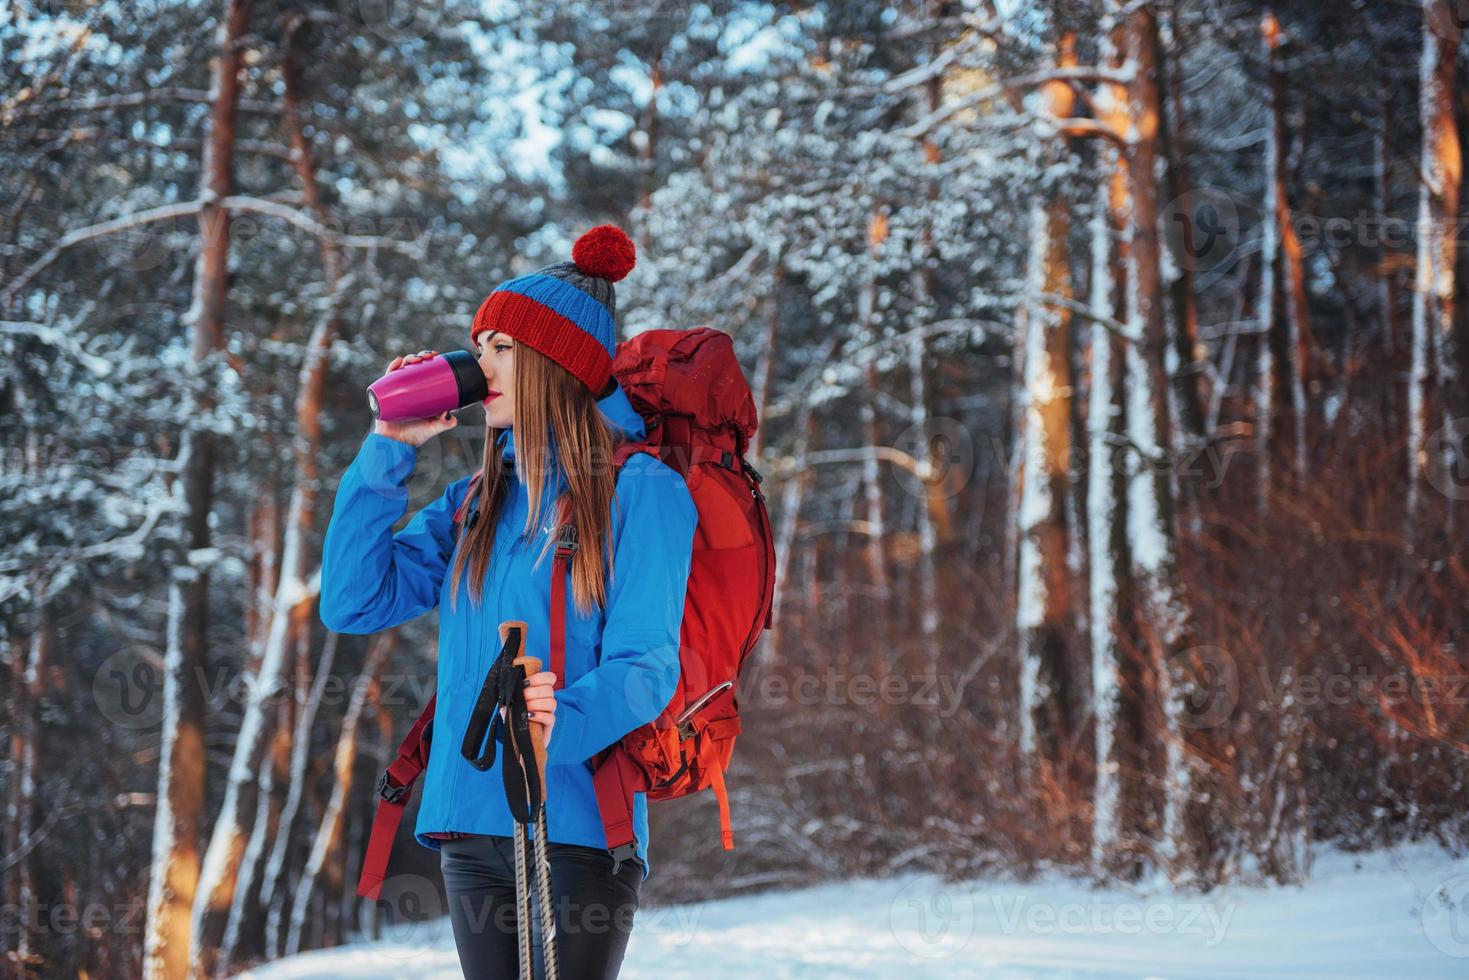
x=605 y=252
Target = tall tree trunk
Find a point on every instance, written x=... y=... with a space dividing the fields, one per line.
x=1457 y=349
x=264 y=580
x=313 y=380
x=1188 y=354
x=264 y=566
x=935 y=523
x=1387 y=277
x=1117 y=793
x=295 y=601
x=768 y=353
x=877 y=231
x=1044 y=616
x=175 y=851
x=273 y=888
x=1106 y=531
x=329 y=830
x=25 y=753
x=1043 y=603
x=15 y=747
x=1288 y=337
x=1271 y=375
x=793 y=493
x=1150 y=505
x=647 y=136
x=1299 y=342
x=842 y=583
x=1433 y=288
x=273 y=773
x=296 y=594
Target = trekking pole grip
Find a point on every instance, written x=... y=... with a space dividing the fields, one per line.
x=531 y=665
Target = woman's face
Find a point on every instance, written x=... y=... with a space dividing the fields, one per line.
x=497 y=361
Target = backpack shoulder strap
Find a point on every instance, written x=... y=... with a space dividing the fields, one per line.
x=394 y=787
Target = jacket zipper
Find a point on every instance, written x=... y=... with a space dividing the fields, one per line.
x=499 y=576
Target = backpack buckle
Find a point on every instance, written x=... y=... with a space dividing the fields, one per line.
x=621 y=853
x=389 y=792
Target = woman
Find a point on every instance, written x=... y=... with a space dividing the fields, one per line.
x=554 y=416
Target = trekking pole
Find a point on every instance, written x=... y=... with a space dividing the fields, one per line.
x=525 y=786
x=533 y=767
x=543 y=896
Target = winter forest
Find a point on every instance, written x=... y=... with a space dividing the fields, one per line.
x=1111 y=360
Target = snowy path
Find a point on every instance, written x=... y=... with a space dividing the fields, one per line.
x=1403 y=913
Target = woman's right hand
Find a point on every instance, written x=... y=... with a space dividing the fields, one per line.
x=417 y=431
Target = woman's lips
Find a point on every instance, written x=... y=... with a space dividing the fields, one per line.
x=491 y=397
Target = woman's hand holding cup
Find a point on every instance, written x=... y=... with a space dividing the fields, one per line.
x=417 y=431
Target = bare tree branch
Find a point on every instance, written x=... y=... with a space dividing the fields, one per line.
x=16 y=108
x=1116 y=327
x=1085 y=73
x=235 y=202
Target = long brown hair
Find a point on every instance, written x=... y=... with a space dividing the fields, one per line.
x=548 y=401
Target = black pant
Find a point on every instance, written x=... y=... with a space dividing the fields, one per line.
x=594 y=910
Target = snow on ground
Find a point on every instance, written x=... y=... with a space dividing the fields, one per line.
x=1397 y=913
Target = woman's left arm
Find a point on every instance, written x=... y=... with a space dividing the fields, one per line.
x=654 y=521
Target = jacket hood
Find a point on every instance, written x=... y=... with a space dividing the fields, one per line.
x=616 y=409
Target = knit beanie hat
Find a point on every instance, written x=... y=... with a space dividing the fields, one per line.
x=567 y=310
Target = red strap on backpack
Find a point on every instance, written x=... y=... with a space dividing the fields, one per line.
x=395 y=787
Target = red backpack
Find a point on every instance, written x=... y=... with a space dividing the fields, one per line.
x=699 y=415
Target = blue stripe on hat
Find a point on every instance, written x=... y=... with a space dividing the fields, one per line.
x=577 y=305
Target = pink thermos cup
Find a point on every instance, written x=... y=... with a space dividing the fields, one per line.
x=442 y=383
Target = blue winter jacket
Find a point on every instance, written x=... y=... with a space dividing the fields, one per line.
x=622 y=663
